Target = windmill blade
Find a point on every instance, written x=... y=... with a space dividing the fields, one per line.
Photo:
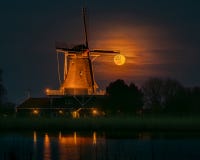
x=85 y=28
x=69 y=50
x=78 y=48
x=104 y=51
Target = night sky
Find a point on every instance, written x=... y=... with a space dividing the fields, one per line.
x=158 y=38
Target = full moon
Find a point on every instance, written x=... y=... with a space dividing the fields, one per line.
x=119 y=59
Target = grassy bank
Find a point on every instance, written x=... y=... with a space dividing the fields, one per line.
x=102 y=124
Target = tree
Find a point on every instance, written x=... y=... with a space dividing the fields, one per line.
x=171 y=88
x=123 y=98
x=166 y=96
x=116 y=92
x=185 y=102
x=174 y=95
x=152 y=90
x=2 y=89
x=135 y=98
x=195 y=99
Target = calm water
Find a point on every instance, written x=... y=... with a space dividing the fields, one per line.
x=98 y=146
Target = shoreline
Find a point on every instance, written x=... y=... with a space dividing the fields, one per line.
x=110 y=124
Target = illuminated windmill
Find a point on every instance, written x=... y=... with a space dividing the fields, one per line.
x=78 y=69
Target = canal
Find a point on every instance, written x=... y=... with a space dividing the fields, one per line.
x=99 y=146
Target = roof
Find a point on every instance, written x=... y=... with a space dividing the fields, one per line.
x=59 y=102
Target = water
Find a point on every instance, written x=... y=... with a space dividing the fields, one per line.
x=98 y=146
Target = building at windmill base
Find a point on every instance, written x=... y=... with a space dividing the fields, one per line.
x=78 y=95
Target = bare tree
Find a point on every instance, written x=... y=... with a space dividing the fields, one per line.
x=162 y=94
x=152 y=90
x=171 y=89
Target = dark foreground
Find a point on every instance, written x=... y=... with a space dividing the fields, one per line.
x=101 y=124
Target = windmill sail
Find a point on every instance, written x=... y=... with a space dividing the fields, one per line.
x=78 y=69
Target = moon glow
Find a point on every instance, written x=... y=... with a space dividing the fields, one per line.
x=119 y=59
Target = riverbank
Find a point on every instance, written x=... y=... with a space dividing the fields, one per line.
x=101 y=124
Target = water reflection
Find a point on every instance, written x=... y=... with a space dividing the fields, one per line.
x=67 y=147
x=47 y=147
x=94 y=138
x=75 y=138
x=34 y=145
x=96 y=146
x=34 y=137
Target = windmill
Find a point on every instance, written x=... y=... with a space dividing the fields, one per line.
x=78 y=68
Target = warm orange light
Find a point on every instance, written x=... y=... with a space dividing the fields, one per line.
x=94 y=112
x=47 y=147
x=47 y=90
x=34 y=137
x=75 y=114
x=75 y=141
x=119 y=59
x=94 y=138
x=46 y=138
x=60 y=136
x=60 y=112
x=35 y=111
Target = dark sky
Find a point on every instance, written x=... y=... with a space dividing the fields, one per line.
x=158 y=38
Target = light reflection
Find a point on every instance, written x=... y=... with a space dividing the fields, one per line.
x=72 y=146
x=34 y=137
x=60 y=136
x=34 y=145
x=68 y=147
x=75 y=138
x=94 y=138
x=47 y=147
x=46 y=139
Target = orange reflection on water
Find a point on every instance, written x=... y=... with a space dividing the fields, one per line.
x=72 y=140
x=34 y=145
x=34 y=137
x=72 y=146
x=75 y=138
x=47 y=147
x=60 y=136
x=67 y=147
x=94 y=138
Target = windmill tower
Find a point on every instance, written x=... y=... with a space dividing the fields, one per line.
x=78 y=68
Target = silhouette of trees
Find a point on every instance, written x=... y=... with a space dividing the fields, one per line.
x=195 y=99
x=168 y=96
x=171 y=89
x=135 y=98
x=185 y=102
x=162 y=94
x=2 y=89
x=123 y=98
x=152 y=91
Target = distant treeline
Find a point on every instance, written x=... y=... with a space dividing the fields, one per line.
x=155 y=96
